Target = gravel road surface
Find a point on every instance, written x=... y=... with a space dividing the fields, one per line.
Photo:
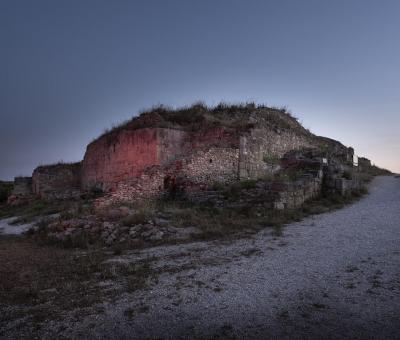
x=330 y=276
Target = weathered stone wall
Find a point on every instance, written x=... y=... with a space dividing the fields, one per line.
x=363 y=164
x=22 y=191
x=149 y=185
x=342 y=186
x=208 y=166
x=108 y=162
x=336 y=150
x=59 y=181
x=294 y=194
x=22 y=186
x=261 y=143
x=279 y=195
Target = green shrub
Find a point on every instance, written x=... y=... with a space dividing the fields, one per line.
x=347 y=174
x=141 y=216
x=271 y=159
x=247 y=184
x=95 y=191
x=218 y=186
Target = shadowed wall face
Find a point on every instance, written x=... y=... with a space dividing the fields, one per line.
x=57 y=181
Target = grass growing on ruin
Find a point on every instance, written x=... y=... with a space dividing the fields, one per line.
x=368 y=174
x=199 y=116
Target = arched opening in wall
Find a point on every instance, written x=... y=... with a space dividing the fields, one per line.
x=210 y=160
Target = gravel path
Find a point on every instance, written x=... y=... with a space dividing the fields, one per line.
x=335 y=275
x=8 y=229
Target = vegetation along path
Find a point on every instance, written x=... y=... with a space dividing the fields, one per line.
x=334 y=275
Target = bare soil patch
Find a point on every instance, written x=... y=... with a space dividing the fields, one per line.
x=40 y=282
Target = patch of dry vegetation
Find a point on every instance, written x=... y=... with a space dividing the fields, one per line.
x=40 y=282
x=369 y=173
x=199 y=116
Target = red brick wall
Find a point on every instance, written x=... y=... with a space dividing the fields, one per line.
x=125 y=156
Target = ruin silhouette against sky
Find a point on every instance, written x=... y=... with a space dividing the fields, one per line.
x=69 y=69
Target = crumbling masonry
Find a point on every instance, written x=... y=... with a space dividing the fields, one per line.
x=187 y=151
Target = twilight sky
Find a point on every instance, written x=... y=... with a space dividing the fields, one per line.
x=69 y=69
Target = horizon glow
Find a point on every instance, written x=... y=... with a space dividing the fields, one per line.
x=68 y=70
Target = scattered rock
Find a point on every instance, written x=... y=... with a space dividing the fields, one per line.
x=157 y=236
x=162 y=222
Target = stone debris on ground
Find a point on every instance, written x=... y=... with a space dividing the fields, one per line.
x=110 y=233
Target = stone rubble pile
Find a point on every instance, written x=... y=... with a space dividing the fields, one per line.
x=93 y=229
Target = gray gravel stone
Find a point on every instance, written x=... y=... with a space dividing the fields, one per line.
x=331 y=276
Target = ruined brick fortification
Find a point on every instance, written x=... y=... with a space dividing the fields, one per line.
x=185 y=150
x=166 y=150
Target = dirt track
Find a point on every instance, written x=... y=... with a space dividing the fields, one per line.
x=335 y=275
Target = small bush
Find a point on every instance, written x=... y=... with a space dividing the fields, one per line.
x=247 y=184
x=347 y=174
x=218 y=186
x=95 y=191
x=141 y=216
x=271 y=159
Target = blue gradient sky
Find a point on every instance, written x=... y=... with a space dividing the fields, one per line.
x=69 y=69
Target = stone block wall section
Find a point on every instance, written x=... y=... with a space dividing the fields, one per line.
x=58 y=181
x=279 y=195
x=261 y=143
x=341 y=185
x=148 y=185
x=208 y=166
x=294 y=195
x=22 y=186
